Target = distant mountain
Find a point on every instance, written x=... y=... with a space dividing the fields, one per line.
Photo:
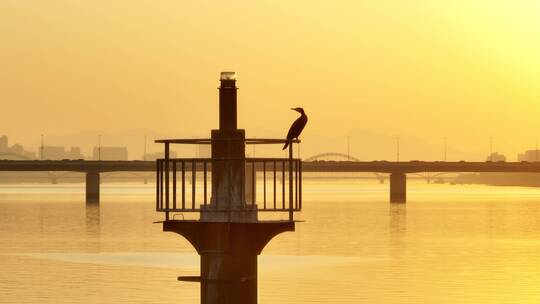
x=364 y=144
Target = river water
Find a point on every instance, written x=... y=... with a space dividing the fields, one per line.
x=448 y=244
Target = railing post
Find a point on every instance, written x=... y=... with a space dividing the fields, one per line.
x=253 y=182
x=275 y=188
x=158 y=182
x=174 y=184
x=283 y=185
x=264 y=183
x=183 y=184
x=204 y=178
x=193 y=180
x=300 y=185
x=161 y=176
x=167 y=181
x=291 y=182
x=296 y=185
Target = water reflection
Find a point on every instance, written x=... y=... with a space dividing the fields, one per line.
x=397 y=228
x=93 y=227
x=447 y=245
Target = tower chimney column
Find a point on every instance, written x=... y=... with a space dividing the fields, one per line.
x=227 y=102
x=228 y=160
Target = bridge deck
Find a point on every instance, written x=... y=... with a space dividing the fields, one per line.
x=420 y=166
x=77 y=165
x=316 y=166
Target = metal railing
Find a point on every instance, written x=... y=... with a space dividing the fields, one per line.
x=269 y=184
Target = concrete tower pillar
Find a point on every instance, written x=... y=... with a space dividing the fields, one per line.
x=228 y=161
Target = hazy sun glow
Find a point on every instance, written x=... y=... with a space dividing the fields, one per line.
x=372 y=70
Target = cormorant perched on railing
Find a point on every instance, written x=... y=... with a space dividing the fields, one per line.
x=297 y=127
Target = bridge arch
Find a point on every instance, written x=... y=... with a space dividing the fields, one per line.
x=331 y=154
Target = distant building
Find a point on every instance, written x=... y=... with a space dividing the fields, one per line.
x=110 y=153
x=3 y=143
x=154 y=156
x=75 y=153
x=530 y=156
x=14 y=152
x=59 y=153
x=52 y=152
x=495 y=157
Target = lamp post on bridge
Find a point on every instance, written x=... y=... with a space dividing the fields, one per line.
x=144 y=150
x=536 y=150
x=445 y=149
x=41 y=148
x=348 y=148
x=491 y=149
x=397 y=149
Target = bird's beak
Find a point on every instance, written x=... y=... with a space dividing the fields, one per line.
x=293 y=109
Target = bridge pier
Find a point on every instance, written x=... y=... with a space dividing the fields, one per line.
x=92 y=187
x=398 y=187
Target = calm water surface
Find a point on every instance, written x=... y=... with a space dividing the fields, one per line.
x=448 y=244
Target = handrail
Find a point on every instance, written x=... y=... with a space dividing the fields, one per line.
x=192 y=199
x=208 y=159
x=240 y=196
x=208 y=141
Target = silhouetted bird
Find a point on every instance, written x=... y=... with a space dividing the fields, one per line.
x=297 y=127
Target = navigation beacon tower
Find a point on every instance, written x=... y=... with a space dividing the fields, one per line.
x=228 y=234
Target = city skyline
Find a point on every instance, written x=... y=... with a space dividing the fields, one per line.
x=152 y=150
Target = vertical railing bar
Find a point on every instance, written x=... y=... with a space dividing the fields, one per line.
x=264 y=183
x=291 y=213
x=204 y=169
x=167 y=166
x=300 y=184
x=161 y=192
x=296 y=184
x=193 y=176
x=275 y=189
x=183 y=185
x=244 y=181
x=254 y=180
x=174 y=185
x=216 y=197
x=242 y=184
x=283 y=184
x=167 y=180
x=158 y=173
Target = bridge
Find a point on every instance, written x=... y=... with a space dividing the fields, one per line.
x=398 y=170
x=92 y=169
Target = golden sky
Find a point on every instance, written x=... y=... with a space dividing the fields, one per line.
x=421 y=70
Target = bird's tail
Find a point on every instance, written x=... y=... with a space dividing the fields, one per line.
x=286 y=145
